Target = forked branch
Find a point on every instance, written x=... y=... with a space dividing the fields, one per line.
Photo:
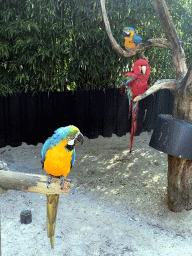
x=156 y=42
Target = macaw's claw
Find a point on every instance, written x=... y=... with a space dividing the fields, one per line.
x=49 y=177
x=62 y=181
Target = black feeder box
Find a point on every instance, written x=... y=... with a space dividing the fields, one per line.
x=172 y=136
x=26 y=217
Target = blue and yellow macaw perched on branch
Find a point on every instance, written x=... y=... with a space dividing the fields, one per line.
x=131 y=40
x=58 y=156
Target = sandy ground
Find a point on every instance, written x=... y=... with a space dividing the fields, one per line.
x=117 y=204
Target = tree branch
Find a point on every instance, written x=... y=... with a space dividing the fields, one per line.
x=31 y=183
x=179 y=61
x=187 y=80
x=167 y=23
x=157 y=42
x=185 y=85
x=114 y=43
x=170 y=84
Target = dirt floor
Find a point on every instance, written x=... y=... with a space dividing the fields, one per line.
x=117 y=204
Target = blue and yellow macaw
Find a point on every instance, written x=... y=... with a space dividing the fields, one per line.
x=131 y=40
x=58 y=156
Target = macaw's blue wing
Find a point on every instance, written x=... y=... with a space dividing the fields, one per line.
x=47 y=145
x=127 y=80
x=137 y=39
x=125 y=89
x=73 y=158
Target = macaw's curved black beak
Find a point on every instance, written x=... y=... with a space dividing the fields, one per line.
x=80 y=138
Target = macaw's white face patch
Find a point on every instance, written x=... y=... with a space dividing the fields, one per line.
x=143 y=68
x=71 y=140
x=128 y=33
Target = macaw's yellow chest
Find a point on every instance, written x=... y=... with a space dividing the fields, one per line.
x=58 y=160
x=129 y=42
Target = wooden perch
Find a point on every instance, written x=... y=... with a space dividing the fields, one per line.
x=170 y=84
x=31 y=183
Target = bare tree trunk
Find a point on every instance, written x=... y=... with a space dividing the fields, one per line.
x=179 y=184
x=179 y=170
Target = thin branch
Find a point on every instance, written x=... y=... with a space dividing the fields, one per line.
x=114 y=43
x=31 y=183
x=157 y=42
x=170 y=84
x=166 y=22
x=179 y=61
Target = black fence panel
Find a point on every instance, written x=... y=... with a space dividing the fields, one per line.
x=32 y=118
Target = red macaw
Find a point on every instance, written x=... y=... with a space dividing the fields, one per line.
x=135 y=83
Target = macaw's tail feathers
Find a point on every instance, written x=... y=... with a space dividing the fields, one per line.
x=52 y=204
x=130 y=108
x=133 y=123
x=133 y=108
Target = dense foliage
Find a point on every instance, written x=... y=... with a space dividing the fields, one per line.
x=51 y=45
